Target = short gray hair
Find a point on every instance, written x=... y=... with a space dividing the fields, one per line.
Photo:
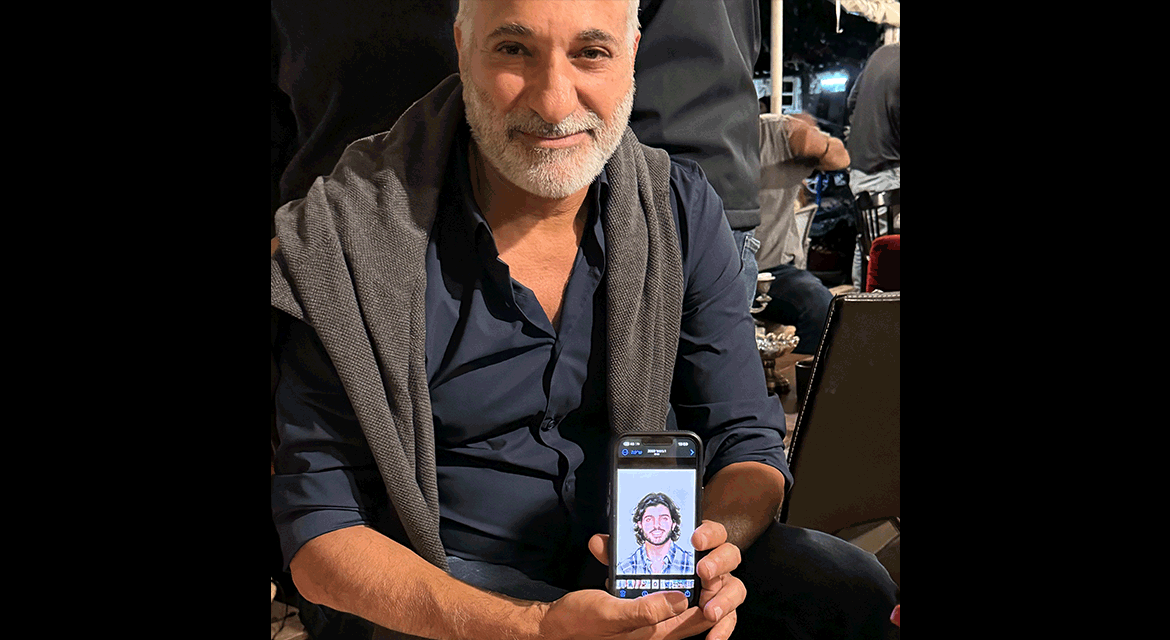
x=466 y=15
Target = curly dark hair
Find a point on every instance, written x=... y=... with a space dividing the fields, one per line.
x=651 y=500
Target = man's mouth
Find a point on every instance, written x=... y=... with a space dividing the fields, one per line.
x=554 y=141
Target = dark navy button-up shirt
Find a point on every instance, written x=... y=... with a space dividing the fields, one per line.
x=519 y=407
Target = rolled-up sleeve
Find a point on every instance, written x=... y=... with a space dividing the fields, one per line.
x=325 y=475
x=719 y=390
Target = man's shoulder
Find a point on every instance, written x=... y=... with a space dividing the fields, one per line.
x=686 y=170
x=698 y=208
x=690 y=186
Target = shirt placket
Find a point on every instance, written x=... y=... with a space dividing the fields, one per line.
x=565 y=382
x=562 y=394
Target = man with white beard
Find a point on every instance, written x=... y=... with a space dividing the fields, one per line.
x=470 y=305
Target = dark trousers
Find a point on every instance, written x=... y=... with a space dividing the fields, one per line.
x=801 y=300
x=807 y=584
x=801 y=584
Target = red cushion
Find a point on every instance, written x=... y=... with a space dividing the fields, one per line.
x=885 y=264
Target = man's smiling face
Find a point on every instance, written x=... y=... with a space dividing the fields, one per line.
x=548 y=87
x=656 y=524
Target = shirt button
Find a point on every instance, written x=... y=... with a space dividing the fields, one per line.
x=548 y=424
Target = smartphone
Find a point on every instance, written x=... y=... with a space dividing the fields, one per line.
x=655 y=502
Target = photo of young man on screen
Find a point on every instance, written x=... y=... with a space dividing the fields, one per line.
x=656 y=527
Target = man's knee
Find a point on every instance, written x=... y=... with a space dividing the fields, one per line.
x=847 y=563
x=804 y=584
x=788 y=560
x=800 y=288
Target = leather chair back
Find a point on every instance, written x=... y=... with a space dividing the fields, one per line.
x=846 y=449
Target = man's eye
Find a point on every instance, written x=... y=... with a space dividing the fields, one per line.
x=594 y=54
x=510 y=49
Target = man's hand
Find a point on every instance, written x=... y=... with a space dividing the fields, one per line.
x=806 y=140
x=595 y=614
x=722 y=592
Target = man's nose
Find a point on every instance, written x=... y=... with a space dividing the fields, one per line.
x=553 y=91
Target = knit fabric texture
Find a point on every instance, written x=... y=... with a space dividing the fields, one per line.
x=351 y=264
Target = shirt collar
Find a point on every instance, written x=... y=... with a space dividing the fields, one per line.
x=669 y=558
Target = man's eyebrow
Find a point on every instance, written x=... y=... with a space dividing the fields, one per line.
x=511 y=29
x=597 y=35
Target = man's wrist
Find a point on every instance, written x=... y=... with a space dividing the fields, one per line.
x=507 y=618
x=531 y=621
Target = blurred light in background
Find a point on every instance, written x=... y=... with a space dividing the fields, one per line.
x=833 y=82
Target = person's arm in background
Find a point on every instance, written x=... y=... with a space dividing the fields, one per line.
x=807 y=141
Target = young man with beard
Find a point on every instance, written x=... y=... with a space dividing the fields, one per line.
x=470 y=305
x=656 y=528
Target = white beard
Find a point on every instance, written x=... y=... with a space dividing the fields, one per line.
x=548 y=173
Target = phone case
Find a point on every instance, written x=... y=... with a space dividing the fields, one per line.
x=616 y=519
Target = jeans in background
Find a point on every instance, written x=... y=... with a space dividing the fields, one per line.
x=747 y=245
x=801 y=300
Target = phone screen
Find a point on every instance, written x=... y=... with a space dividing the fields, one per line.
x=655 y=498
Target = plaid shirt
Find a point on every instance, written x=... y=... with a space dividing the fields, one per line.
x=678 y=561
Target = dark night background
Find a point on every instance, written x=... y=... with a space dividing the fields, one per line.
x=812 y=46
x=810 y=34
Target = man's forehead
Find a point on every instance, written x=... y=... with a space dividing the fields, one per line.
x=591 y=20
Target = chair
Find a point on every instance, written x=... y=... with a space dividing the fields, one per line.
x=884 y=272
x=873 y=208
x=845 y=454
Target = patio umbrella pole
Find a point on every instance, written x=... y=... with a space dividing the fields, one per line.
x=777 y=55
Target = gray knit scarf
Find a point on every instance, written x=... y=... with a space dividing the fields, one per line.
x=351 y=265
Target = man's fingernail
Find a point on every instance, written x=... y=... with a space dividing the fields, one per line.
x=718 y=612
